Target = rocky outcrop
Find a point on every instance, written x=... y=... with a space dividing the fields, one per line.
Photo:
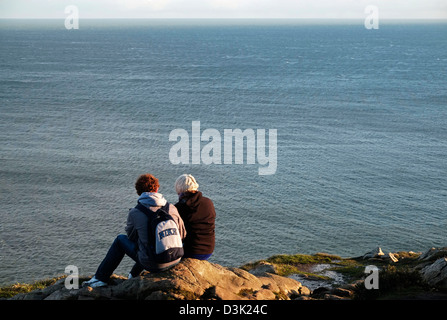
x=377 y=253
x=191 y=279
x=436 y=274
x=433 y=254
x=321 y=277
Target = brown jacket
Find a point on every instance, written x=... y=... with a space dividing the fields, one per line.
x=198 y=215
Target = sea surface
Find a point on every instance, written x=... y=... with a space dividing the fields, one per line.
x=361 y=120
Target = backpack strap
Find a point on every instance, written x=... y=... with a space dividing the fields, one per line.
x=151 y=215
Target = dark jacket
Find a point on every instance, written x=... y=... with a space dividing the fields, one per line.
x=198 y=215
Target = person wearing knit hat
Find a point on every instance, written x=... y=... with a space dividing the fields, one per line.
x=198 y=214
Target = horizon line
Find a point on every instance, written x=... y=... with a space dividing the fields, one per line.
x=233 y=19
x=210 y=18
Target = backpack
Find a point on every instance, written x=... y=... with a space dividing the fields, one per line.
x=165 y=243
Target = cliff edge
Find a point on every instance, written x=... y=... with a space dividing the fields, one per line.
x=189 y=280
x=401 y=275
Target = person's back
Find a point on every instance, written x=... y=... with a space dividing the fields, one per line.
x=137 y=240
x=198 y=214
x=137 y=229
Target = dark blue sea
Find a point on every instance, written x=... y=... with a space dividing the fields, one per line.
x=361 y=120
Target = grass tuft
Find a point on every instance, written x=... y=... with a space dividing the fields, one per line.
x=14 y=289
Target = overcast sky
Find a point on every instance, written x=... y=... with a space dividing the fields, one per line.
x=351 y=9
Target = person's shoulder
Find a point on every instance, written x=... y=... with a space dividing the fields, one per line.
x=179 y=204
x=133 y=212
x=206 y=199
x=136 y=215
x=206 y=202
x=173 y=208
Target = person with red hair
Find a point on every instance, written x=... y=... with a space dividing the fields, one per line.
x=135 y=242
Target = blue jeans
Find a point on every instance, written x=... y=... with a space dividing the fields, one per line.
x=197 y=256
x=120 y=247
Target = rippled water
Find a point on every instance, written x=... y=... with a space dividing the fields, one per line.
x=361 y=148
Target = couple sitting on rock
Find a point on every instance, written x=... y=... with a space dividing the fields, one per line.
x=194 y=218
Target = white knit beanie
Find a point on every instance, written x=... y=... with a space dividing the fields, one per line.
x=186 y=183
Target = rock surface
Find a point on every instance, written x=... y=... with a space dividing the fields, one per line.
x=191 y=279
x=433 y=254
x=201 y=280
x=436 y=274
x=377 y=253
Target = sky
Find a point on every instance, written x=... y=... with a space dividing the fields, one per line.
x=292 y=9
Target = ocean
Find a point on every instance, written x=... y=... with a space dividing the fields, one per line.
x=360 y=116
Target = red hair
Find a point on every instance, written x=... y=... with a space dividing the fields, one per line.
x=146 y=183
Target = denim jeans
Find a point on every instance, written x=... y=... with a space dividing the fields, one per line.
x=120 y=247
x=197 y=256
